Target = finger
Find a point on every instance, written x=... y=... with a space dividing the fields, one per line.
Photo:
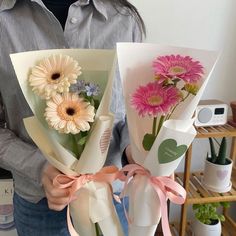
x=58 y=201
x=51 y=172
x=56 y=207
x=57 y=192
x=53 y=191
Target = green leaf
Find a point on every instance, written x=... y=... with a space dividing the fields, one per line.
x=225 y=204
x=196 y=206
x=221 y=218
x=74 y=147
x=148 y=141
x=91 y=102
x=82 y=140
x=208 y=222
x=96 y=103
x=207 y=213
x=175 y=81
x=222 y=152
x=213 y=153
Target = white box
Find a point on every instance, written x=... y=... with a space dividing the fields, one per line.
x=6 y=208
x=6 y=191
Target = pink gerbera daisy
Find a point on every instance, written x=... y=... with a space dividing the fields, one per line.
x=177 y=66
x=153 y=99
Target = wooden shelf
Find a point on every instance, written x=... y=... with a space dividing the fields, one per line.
x=192 y=182
x=216 y=131
x=197 y=193
x=228 y=229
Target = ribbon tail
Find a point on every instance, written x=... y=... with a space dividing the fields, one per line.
x=164 y=215
x=69 y=223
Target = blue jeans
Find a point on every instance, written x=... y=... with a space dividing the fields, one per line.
x=121 y=214
x=38 y=220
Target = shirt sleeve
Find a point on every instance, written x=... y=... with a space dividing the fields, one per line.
x=17 y=156
x=20 y=157
x=123 y=127
x=124 y=134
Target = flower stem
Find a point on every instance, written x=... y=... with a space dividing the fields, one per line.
x=154 y=126
x=75 y=148
x=168 y=117
x=161 y=121
x=97 y=229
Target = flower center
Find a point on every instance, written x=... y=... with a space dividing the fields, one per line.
x=176 y=70
x=70 y=111
x=55 y=76
x=155 y=100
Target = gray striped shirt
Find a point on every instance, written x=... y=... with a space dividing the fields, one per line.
x=28 y=25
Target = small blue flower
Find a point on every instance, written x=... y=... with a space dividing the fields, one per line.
x=92 y=89
x=78 y=87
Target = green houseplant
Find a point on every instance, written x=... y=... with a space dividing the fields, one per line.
x=218 y=168
x=219 y=158
x=207 y=219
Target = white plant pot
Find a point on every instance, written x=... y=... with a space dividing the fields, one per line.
x=200 y=229
x=217 y=177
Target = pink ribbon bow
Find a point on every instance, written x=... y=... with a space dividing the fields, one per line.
x=165 y=187
x=74 y=183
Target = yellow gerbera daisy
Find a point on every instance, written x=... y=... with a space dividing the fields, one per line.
x=68 y=113
x=54 y=74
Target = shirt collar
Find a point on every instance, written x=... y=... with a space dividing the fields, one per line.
x=6 y=4
x=100 y=7
x=98 y=4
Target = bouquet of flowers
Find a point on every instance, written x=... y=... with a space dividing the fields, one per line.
x=68 y=92
x=162 y=89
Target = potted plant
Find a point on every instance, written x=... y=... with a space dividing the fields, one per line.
x=218 y=169
x=207 y=220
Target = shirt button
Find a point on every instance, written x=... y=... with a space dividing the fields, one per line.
x=73 y=20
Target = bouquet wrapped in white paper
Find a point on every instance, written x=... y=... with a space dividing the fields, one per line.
x=162 y=86
x=69 y=93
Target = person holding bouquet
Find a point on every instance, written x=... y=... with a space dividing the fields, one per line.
x=39 y=207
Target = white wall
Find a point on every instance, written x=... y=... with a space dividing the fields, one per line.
x=203 y=24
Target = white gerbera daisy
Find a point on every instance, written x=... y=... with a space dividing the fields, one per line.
x=68 y=113
x=54 y=75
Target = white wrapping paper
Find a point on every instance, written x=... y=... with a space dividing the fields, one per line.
x=135 y=64
x=97 y=66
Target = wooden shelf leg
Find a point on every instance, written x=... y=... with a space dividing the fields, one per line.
x=183 y=220
x=187 y=168
x=233 y=151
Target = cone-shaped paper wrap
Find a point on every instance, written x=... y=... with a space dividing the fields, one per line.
x=136 y=68
x=97 y=198
x=97 y=67
x=176 y=134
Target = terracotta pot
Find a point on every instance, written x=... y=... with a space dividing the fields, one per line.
x=233 y=107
